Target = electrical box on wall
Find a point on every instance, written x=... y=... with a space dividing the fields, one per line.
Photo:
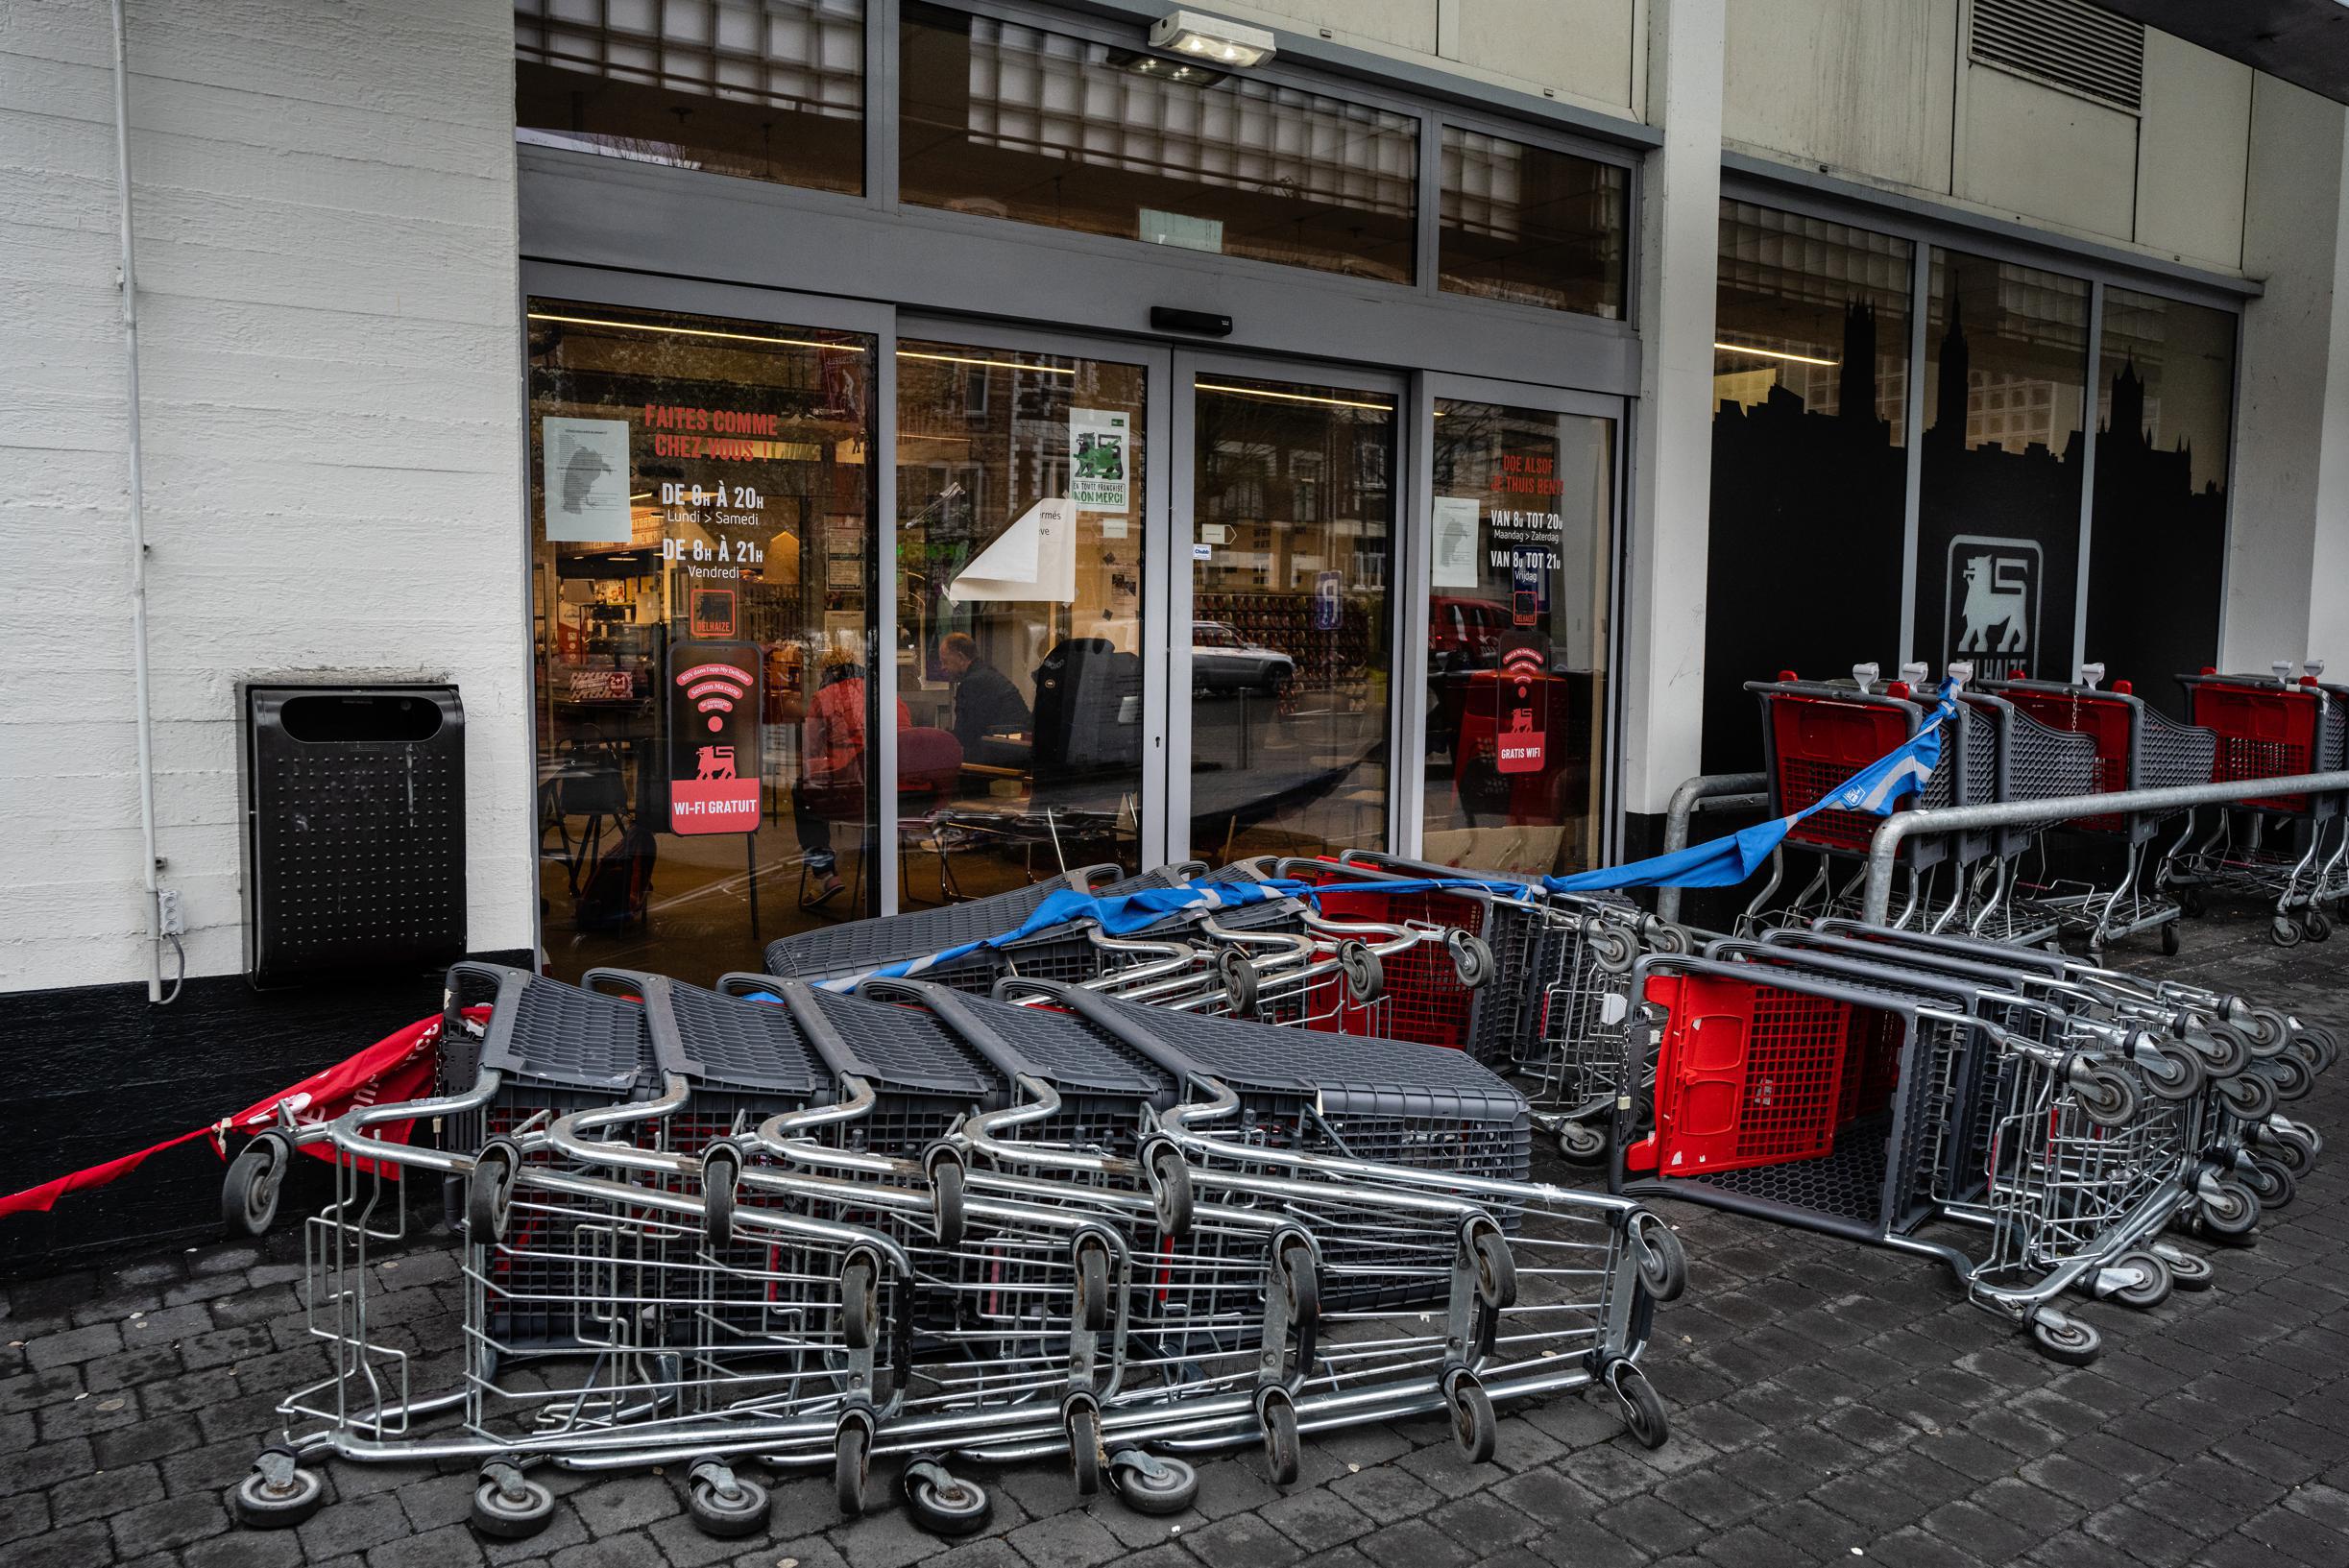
x=355 y=829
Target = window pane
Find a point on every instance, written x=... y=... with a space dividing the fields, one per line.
x=1517 y=645
x=1809 y=483
x=1018 y=545
x=766 y=89
x=1532 y=226
x=2165 y=405
x=1293 y=504
x=699 y=522
x=1015 y=122
x=1998 y=520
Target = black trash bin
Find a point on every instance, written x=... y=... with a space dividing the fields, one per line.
x=354 y=830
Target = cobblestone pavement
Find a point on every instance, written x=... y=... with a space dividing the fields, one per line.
x=1828 y=1402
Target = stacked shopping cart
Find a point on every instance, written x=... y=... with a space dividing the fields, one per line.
x=779 y=1225
x=2033 y=1121
x=2290 y=849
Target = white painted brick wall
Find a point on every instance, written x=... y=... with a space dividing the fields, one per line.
x=324 y=193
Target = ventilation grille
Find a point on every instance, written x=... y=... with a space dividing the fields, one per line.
x=2066 y=44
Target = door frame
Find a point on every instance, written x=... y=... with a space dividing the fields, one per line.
x=1183 y=409
x=1155 y=359
x=1543 y=399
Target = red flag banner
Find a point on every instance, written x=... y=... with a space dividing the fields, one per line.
x=398 y=1067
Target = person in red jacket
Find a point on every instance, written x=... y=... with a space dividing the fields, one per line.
x=832 y=783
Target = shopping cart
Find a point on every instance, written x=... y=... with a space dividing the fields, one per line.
x=859 y=947
x=2033 y=762
x=1815 y=736
x=1405 y=1166
x=2274 y=847
x=2138 y=747
x=1806 y=1099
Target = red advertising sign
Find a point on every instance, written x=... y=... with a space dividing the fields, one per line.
x=713 y=737
x=1517 y=741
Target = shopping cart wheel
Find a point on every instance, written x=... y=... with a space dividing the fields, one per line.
x=2190 y=903
x=1643 y=1409
x=1238 y=980
x=2228 y=1209
x=2106 y=1096
x=1473 y=1425
x=2173 y=1070
x=2290 y=1074
x=723 y=1504
x=1170 y=1178
x=1664 y=1262
x=1152 y=1483
x=1582 y=1143
x=1084 y=1431
x=1092 y=1285
x=2270 y=1183
x=1300 y=1281
x=2289 y=1146
x=1471 y=958
x=2148 y=1284
x=2170 y=939
x=489 y=1197
x=249 y=1194
x=722 y=1172
x=2066 y=1340
x=852 y=1464
x=2264 y=1027
x=1612 y=947
x=2223 y=1050
x=2189 y=1271
x=2251 y=1096
x=2315 y=925
x=508 y=1506
x=1283 y=1451
x=859 y=1304
x=1364 y=975
x=944 y=1504
x=279 y=1494
x=2322 y=1041
x=2284 y=931
x=946 y=1200
x=1496 y=1269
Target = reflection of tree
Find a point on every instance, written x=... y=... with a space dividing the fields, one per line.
x=1804 y=565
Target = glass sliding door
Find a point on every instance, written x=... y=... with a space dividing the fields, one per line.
x=1290 y=527
x=700 y=525
x=1021 y=523
x=1521 y=524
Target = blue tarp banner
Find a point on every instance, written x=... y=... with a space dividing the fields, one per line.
x=1720 y=862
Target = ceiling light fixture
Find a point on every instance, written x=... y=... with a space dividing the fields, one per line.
x=1771 y=353
x=1194 y=34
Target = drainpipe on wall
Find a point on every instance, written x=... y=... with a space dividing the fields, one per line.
x=129 y=284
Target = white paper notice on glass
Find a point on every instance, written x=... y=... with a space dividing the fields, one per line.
x=1455 y=555
x=586 y=480
x=1099 y=459
x=1034 y=559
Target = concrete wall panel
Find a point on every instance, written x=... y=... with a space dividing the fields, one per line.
x=2191 y=151
x=2031 y=152
x=1862 y=87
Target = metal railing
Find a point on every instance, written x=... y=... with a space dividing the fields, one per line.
x=1884 y=850
x=1705 y=792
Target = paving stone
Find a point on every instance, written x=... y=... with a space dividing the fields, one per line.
x=1065 y=1540
x=617 y=1552
x=173 y=1522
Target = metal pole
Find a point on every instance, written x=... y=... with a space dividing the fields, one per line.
x=1706 y=792
x=137 y=514
x=1884 y=850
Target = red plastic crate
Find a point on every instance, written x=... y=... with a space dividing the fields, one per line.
x=1817 y=743
x=1747 y=1074
x=2263 y=733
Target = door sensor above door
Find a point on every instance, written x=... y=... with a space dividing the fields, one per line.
x=1202 y=323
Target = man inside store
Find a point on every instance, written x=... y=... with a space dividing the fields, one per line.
x=987 y=704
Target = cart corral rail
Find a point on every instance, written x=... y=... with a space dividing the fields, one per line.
x=1884 y=848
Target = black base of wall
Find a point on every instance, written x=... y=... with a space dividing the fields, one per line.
x=104 y=1073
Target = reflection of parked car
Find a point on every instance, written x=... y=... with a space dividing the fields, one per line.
x=1465 y=632
x=1223 y=660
